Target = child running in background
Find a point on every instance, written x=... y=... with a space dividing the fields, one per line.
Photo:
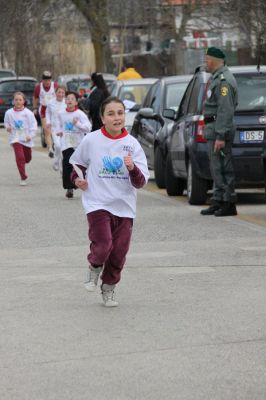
x=21 y=126
x=53 y=109
x=109 y=165
x=73 y=126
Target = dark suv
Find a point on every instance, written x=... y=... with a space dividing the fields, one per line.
x=187 y=164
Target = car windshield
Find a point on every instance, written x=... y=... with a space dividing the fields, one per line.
x=251 y=91
x=133 y=93
x=174 y=94
x=5 y=74
x=17 y=86
x=80 y=86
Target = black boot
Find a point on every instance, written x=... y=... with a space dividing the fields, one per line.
x=211 y=210
x=226 y=210
x=69 y=193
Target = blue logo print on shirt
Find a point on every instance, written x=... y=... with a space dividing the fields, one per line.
x=18 y=124
x=69 y=126
x=112 y=165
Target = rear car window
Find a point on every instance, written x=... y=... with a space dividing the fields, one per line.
x=251 y=91
x=6 y=74
x=79 y=85
x=17 y=86
x=174 y=94
x=135 y=93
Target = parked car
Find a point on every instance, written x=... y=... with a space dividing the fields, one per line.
x=8 y=86
x=187 y=163
x=81 y=83
x=5 y=73
x=154 y=121
x=132 y=93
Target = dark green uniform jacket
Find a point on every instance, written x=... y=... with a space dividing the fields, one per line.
x=221 y=102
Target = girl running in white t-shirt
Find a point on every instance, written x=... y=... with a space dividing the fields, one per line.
x=21 y=126
x=53 y=109
x=73 y=126
x=112 y=165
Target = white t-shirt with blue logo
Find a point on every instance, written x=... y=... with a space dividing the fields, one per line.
x=73 y=133
x=23 y=123
x=109 y=186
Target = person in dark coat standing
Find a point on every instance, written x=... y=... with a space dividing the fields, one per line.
x=98 y=94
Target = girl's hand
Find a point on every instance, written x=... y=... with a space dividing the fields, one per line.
x=48 y=126
x=129 y=162
x=75 y=120
x=81 y=184
x=59 y=134
x=9 y=129
x=28 y=138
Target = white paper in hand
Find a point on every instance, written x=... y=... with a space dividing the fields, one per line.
x=129 y=104
x=78 y=171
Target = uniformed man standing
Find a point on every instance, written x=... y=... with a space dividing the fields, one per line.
x=220 y=104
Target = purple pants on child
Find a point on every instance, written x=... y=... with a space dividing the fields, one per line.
x=23 y=157
x=110 y=238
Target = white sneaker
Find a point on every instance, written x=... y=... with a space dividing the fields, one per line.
x=92 y=278
x=55 y=166
x=23 y=183
x=108 y=295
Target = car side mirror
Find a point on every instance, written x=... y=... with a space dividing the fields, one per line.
x=146 y=113
x=169 y=113
x=150 y=114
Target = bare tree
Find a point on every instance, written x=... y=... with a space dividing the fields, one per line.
x=20 y=36
x=144 y=29
x=95 y=11
x=250 y=17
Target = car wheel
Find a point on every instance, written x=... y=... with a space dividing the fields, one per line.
x=43 y=142
x=159 y=168
x=197 y=188
x=174 y=186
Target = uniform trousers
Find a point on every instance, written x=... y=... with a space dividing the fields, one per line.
x=110 y=237
x=222 y=171
x=23 y=157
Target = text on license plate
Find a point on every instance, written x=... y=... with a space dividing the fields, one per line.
x=251 y=136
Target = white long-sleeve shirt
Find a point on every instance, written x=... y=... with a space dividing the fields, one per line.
x=23 y=123
x=53 y=109
x=73 y=133
x=109 y=185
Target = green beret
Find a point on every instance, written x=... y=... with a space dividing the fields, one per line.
x=215 y=52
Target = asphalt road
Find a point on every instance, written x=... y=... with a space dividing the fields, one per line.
x=191 y=320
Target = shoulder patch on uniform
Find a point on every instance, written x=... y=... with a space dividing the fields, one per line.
x=224 y=90
x=222 y=77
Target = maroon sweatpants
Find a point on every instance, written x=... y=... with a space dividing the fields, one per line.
x=110 y=238
x=23 y=156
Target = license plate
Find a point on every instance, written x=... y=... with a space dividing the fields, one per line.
x=251 y=136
